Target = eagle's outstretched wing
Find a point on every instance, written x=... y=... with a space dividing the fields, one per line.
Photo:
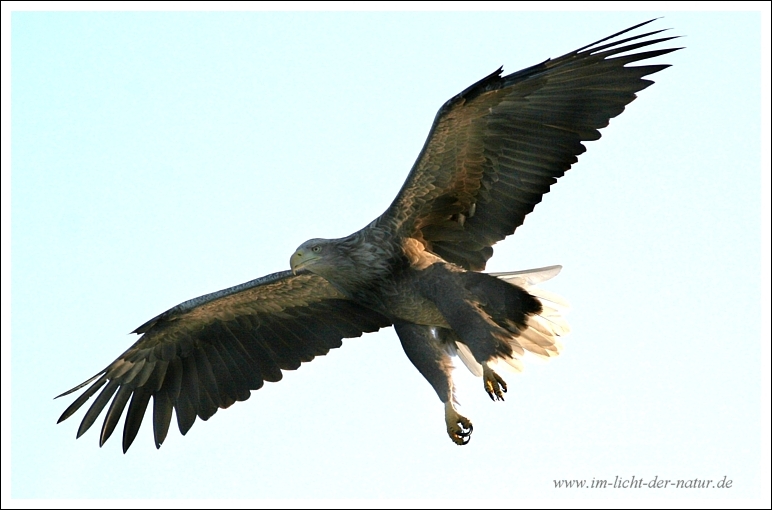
x=495 y=148
x=209 y=352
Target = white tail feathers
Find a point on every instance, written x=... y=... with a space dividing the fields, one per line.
x=529 y=277
x=542 y=336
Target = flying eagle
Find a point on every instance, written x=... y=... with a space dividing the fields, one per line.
x=492 y=152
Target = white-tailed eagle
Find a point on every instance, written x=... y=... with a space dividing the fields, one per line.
x=492 y=152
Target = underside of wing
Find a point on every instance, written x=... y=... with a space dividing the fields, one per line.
x=211 y=351
x=496 y=148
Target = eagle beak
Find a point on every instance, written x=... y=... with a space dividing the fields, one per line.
x=295 y=261
x=300 y=259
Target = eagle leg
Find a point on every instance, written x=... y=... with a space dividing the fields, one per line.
x=459 y=427
x=494 y=384
x=427 y=348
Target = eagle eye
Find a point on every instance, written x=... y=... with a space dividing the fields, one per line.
x=316 y=249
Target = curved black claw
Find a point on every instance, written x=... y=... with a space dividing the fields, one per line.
x=459 y=427
x=461 y=431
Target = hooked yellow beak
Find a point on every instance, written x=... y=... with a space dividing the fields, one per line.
x=301 y=258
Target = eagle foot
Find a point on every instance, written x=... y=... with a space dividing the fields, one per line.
x=459 y=427
x=494 y=384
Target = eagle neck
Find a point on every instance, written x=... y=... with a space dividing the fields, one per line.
x=368 y=260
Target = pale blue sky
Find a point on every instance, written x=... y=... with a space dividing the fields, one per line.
x=161 y=156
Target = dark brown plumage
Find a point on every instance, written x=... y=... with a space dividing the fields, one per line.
x=493 y=151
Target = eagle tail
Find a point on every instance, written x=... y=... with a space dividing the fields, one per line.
x=543 y=331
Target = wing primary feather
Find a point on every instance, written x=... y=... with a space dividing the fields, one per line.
x=76 y=388
x=187 y=402
x=134 y=415
x=161 y=369
x=186 y=413
x=114 y=412
x=136 y=368
x=617 y=34
x=209 y=396
x=162 y=416
x=96 y=407
x=141 y=378
x=174 y=378
x=615 y=50
x=81 y=399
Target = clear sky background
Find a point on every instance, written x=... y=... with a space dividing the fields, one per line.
x=161 y=156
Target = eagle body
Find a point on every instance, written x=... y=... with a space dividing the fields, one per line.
x=492 y=153
x=435 y=306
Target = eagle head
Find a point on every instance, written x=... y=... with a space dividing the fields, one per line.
x=316 y=256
